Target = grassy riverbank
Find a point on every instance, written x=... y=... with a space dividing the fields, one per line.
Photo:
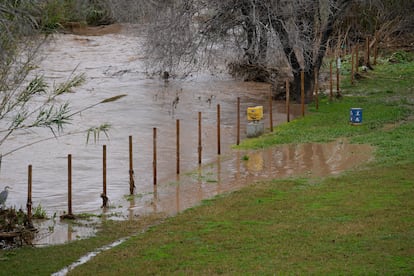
x=360 y=222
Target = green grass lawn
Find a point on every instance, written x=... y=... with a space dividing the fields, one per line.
x=358 y=223
x=352 y=224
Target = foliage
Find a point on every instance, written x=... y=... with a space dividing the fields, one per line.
x=96 y=131
x=18 y=111
x=18 y=43
x=53 y=15
x=99 y=13
x=39 y=212
x=58 y=13
x=400 y=57
x=9 y=218
x=383 y=18
x=15 y=228
x=30 y=103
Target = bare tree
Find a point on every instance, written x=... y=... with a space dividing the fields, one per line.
x=138 y=11
x=190 y=32
x=386 y=21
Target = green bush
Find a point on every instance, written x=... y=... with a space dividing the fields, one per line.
x=401 y=57
x=56 y=13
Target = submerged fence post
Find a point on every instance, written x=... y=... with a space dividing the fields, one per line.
x=131 y=169
x=287 y=101
x=177 y=126
x=29 y=195
x=154 y=162
x=200 y=148
x=104 y=195
x=218 y=131
x=70 y=184
x=238 y=121
x=69 y=215
x=302 y=91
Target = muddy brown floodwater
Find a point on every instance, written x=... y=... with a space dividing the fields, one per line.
x=113 y=65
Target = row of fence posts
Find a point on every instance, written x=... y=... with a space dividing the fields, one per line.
x=367 y=57
x=104 y=195
x=354 y=52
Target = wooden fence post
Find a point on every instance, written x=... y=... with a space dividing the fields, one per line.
x=367 y=54
x=154 y=162
x=316 y=89
x=131 y=168
x=271 y=109
x=69 y=215
x=238 y=121
x=338 y=67
x=287 y=101
x=357 y=58
x=104 y=195
x=200 y=147
x=302 y=91
x=330 y=81
x=29 y=195
x=70 y=184
x=352 y=66
x=375 y=52
x=177 y=126
x=218 y=131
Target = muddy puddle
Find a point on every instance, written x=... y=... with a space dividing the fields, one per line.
x=113 y=65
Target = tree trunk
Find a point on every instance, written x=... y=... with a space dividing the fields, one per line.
x=250 y=30
x=297 y=83
x=262 y=49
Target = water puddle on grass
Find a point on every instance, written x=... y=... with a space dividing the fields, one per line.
x=239 y=169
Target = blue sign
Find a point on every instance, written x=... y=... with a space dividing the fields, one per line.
x=355 y=117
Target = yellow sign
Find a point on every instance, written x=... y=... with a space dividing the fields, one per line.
x=255 y=113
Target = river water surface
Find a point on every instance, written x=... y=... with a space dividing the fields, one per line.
x=113 y=65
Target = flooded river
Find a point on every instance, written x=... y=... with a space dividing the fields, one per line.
x=113 y=65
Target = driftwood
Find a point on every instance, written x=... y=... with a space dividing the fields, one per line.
x=15 y=228
x=8 y=235
x=253 y=72
x=68 y=216
x=17 y=238
x=19 y=233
